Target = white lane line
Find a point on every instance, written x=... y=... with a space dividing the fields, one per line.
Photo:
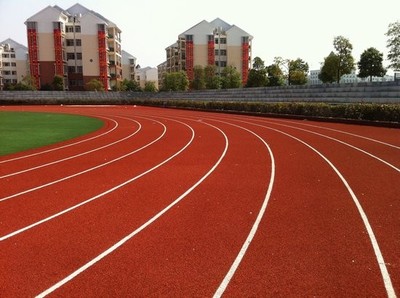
x=65 y=146
x=90 y=169
x=7 y=236
x=379 y=257
x=336 y=140
x=345 y=132
x=70 y=157
x=138 y=230
x=222 y=287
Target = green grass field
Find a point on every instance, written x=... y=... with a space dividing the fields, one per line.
x=21 y=131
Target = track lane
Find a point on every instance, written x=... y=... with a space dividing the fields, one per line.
x=171 y=251
x=118 y=201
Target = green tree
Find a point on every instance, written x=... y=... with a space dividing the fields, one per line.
x=258 y=74
x=27 y=83
x=275 y=75
x=212 y=80
x=199 y=81
x=298 y=71
x=176 y=81
x=343 y=49
x=230 y=78
x=94 y=85
x=370 y=64
x=58 y=83
x=130 y=85
x=150 y=87
x=393 y=45
x=329 y=69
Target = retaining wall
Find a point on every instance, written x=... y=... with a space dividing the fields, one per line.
x=377 y=92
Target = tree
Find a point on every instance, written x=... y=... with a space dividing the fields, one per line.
x=27 y=83
x=230 y=78
x=150 y=87
x=130 y=85
x=329 y=69
x=370 y=64
x=298 y=71
x=343 y=49
x=58 y=83
x=275 y=75
x=199 y=81
x=94 y=85
x=212 y=80
x=393 y=45
x=176 y=81
x=258 y=74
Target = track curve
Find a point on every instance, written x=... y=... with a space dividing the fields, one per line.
x=178 y=203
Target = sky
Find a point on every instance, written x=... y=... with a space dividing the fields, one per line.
x=289 y=29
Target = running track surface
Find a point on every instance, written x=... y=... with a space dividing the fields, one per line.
x=176 y=203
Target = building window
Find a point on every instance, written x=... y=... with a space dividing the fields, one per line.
x=14 y=72
x=189 y=37
x=78 y=42
x=13 y=64
x=71 y=69
x=78 y=29
x=223 y=40
x=70 y=56
x=78 y=56
x=70 y=42
x=69 y=28
x=31 y=25
x=216 y=52
x=5 y=64
x=79 y=69
x=223 y=52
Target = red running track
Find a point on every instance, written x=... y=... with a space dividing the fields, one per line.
x=178 y=203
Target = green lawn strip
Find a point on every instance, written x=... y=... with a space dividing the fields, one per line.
x=21 y=131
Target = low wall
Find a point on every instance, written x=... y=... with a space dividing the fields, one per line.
x=381 y=92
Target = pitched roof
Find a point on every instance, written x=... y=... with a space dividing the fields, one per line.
x=13 y=43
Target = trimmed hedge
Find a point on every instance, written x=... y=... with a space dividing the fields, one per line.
x=360 y=111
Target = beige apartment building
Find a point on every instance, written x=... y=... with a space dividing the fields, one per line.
x=77 y=43
x=210 y=43
x=146 y=74
x=13 y=62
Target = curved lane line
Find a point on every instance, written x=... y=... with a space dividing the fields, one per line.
x=138 y=230
x=336 y=140
x=101 y=194
x=71 y=157
x=350 y=134
x=90 y=169
x=249 y=239
x=64 y=146
x=379 y=257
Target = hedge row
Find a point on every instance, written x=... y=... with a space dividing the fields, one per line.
x=360 y=111
x=385 y=113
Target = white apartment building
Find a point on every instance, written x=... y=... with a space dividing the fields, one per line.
x=146 y=74
x=13 y=62
x=77 y=43
x=346 y=79
x=211 y=43
x=128 y=66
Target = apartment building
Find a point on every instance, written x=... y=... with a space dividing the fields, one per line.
x=13 y=62
x=210 y=43
x=146 y=74
x=128 y=66
x=77 y=44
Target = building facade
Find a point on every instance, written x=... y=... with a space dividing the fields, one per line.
x=347 y=78
x=210 y=43
x=146 y=74
x=128 y=66
x=13 y=62
x=77 y=44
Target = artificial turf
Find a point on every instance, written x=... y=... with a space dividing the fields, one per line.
x=21 y=131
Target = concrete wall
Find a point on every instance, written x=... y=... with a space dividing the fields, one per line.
x=378 y=92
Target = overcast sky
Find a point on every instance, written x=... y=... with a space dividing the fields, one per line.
x=290 y=29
